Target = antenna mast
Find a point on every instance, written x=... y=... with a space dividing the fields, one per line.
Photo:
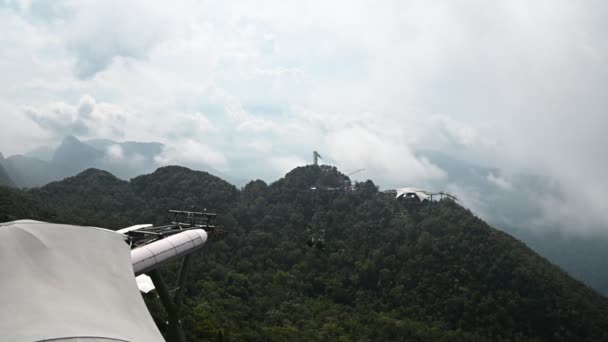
x=315 y=157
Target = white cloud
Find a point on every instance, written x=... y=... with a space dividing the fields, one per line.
x=456 y=133
x=514 y=84
x=107 y=30
x=115 y=152
x=257 y=125
x=87 y=119
x=380 y=154
x=258 y=145
x=499 y=182
x=284 y=164
x=194 y=154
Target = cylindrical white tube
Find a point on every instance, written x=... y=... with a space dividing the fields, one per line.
x=148 y=257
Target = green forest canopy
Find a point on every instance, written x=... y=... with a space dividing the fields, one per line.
x=390 y=271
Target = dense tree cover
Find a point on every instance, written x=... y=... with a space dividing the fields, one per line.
x=17 y=204
x=390 y=271
x=93 y=197
x=581 y=252
x=585 y=257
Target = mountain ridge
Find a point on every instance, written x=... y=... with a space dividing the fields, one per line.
x=44 y=165
x=389 y=269
x=511 y=208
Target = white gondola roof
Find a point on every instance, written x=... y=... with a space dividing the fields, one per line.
x=421 y=194
x=67 y=283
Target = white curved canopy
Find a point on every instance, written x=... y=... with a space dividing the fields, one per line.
x=69 y=283
x=421 y=194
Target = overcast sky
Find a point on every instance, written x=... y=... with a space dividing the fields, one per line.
x=257 y=86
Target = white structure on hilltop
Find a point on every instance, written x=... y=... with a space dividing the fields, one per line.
x=413 y=194
x=418 y=195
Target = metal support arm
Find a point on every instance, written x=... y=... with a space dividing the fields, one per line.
x=175 y=333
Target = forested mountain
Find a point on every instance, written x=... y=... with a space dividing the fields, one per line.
x=16 y=204
x=511 y=203
x=27 y=172
x=389 y=271
x=125 y=160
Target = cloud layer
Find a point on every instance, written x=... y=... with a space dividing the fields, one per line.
x=251 y=89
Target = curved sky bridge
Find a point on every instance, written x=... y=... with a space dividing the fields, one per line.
x=419 y=195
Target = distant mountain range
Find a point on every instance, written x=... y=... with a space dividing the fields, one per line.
x=45 y=165
x=126 y=160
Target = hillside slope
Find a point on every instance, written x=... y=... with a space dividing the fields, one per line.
x=93 y=197
x=389 y=271
x=510 y=202
x=16 y=204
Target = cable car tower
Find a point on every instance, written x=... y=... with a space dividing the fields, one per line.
x=153 y=246
x=315 y=157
